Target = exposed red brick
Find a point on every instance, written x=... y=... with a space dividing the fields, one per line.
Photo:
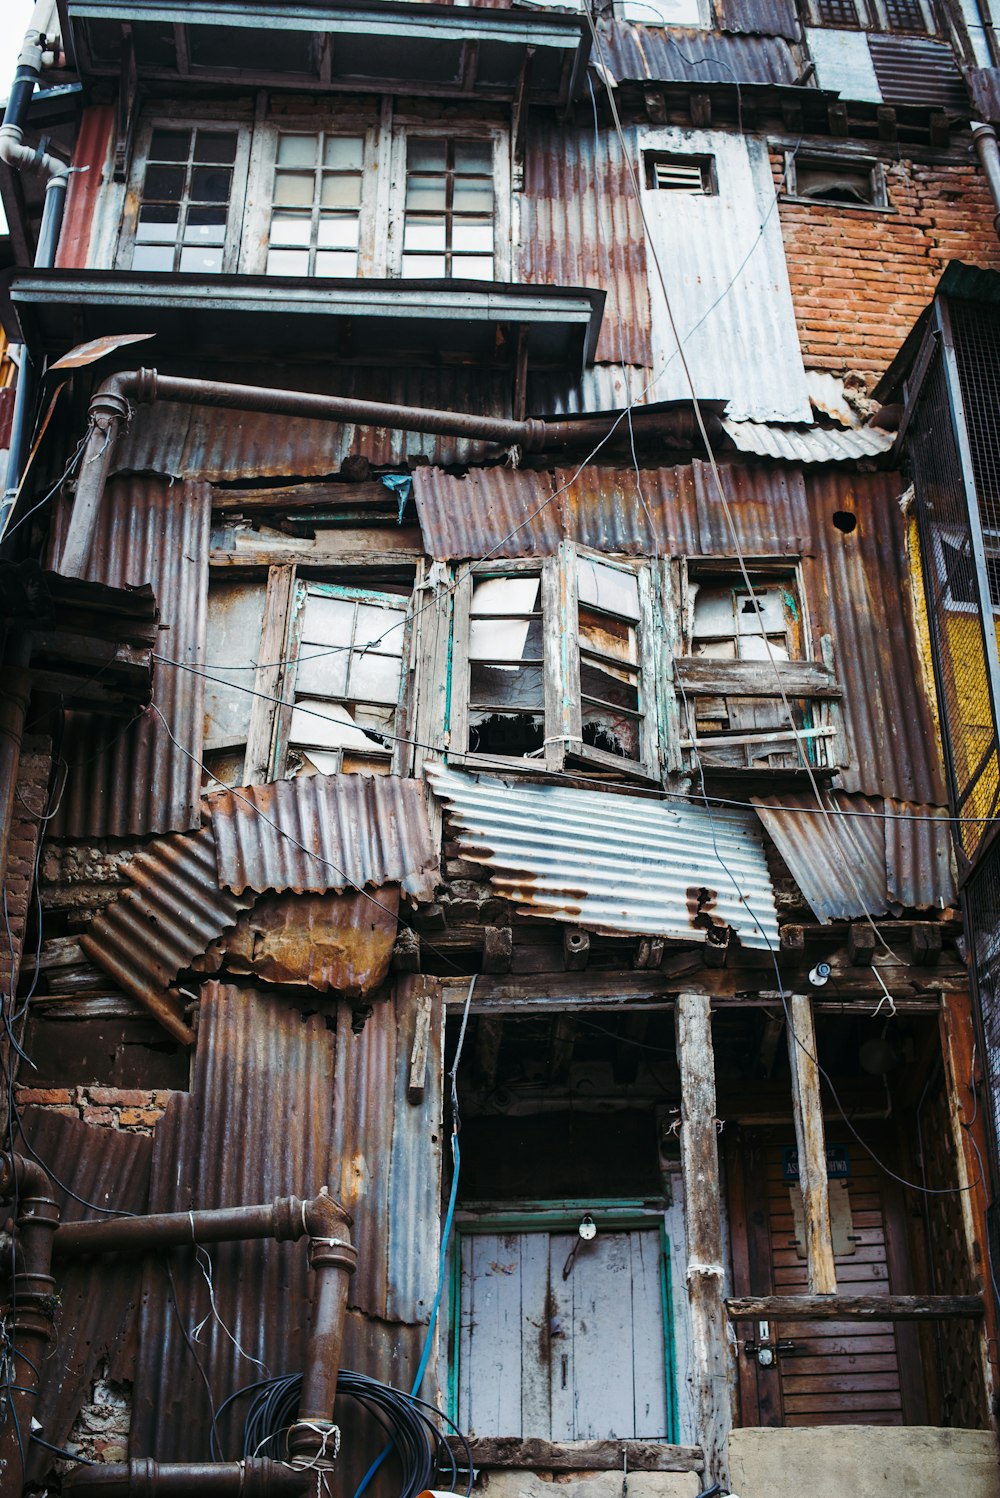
x=120 y=1097
x=104 y=1116
x=43 y=1095
x=145 y=1117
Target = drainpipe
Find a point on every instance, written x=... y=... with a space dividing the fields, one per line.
x=31 y=1309
x=253 y=1478
x=16 y=154
x=112 y=403
x=333 y=1259
x=283 y=1220
x=988 y=151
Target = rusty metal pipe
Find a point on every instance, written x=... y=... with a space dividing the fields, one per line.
x=145 y=386
x=284 y=1220
x=333 y=1259
x=143 y=1478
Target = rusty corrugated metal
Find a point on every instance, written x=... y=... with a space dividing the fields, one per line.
x=97 y=1299
x=321 y=832
x=89 y=154
x=897 y=852
x=581 y=226
x=210 y=443
x=341 y=942
x=917 y=70
x=125 y=782
x=602 y=387
x=669 y=54
x=759 y=18
x=984 y=86
x=174 y=912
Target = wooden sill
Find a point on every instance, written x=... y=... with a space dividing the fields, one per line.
x=581 y=1456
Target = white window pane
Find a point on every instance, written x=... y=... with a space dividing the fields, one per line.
x=204 y=234
x=297 y=150
x=424 y=233
x=771 y=607
x=328 y=725
x=472 y=196
x=201 y=262
x=340 y=191
x=506 y=595
x=375 y=677
x=754 y=649
x=288 y=262
x=713 y=611
x=345 y=152
x=292 y=229
x=294 y=189
x=424 y=267
x=157 y=224
x=472 y=267
x=505 y=640
x=473 y=234
x=342 y=263
x=328 y=621
x=383 y=625
x=474 y=156
x=425 y=155
x=338 y=231
x=426 y=194
x=153 y=257
x=608 y=588
x=322 y=671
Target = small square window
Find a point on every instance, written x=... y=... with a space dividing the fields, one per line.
x=832 y=179
x=669 y=171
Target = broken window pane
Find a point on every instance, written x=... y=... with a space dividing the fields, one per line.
x=609 y=588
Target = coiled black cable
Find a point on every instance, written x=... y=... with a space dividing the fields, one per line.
x=425 y=1457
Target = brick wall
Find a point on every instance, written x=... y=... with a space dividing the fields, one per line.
x=860 y=279
x=107 y=1107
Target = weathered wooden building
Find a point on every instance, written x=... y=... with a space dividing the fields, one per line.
x=471 y=744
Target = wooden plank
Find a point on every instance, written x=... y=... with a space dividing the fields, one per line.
x=583 y=1456
x=649 y=1377
x=493 y=1356
x=258 y=765
x=810 y=1137
x=372 y=559
x=856 y=1307
x=304 y=497
x=561 y=1339
x=600 y=1281
x=536 y=1311
x=702 y=676
x=702 y=1206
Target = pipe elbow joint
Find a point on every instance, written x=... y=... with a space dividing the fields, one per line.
x=324 y=1217
x=25 y=1176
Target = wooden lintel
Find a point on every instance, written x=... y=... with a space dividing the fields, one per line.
x=582 y=1456
x=706 y=677
x=861 y=943
x=320 y=496
x=855 y=1308
x=275 y=557
x=576 y=949
x=807 y=1110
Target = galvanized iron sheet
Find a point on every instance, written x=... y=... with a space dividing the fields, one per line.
x=89 y=154
x=125 y=782
x=916 y=70
x=210 y=443
x=322 y=832
x=174 y=912
x=759 y=18
x=581 y=226
x=808 y=444
x=668 y=54
x=897 y=852
x=613 y=863
x=602 y=387
x=97 y=1300
x=984 y=86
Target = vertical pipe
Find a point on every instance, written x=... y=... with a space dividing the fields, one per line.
x=29 y=1315
x=988 y=151
x=333 y=1259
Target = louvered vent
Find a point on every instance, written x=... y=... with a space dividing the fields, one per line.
x=668 y=173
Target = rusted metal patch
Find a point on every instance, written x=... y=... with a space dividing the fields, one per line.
x=341 y=942
x=173 y=912
x=659 y=54
x=322 y=832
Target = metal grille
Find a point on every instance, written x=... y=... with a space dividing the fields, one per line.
x=836 y=12
x=976 y=330
x=905 y=15
x=958 y=637
x=982 y=918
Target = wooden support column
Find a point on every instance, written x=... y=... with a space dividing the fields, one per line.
x=703 y=1216
x=811 y=1140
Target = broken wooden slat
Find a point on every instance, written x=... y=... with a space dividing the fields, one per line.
x=855 y=1307
x=702 y=1197
x=582 y=1456
x=268 y=676
x=810 y=1138
x=704 y=677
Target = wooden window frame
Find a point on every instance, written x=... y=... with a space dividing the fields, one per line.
x=471 y=129
x=563 y=703
x=873 y=15
x=837 y=161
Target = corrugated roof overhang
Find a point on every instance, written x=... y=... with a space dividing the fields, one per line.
x=372 y=320
x=462 y=52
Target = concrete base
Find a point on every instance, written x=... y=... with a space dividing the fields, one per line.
x=863 y=1461
x=505 y=1483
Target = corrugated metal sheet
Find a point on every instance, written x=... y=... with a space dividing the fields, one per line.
x=669 y=54
x=581 y=226
x=916 y=70
x=97 y=1299
x=984 y=86
x=724 y=267
x=176 y=910
x=759 y=17
x=826 y=394
x=602 y=387
x=209 y=443
x=341 y=942
x=322 y=832
x=614 y=863
x=125 y=782
x=808 y=444
x=897 y=852
x=89 y=153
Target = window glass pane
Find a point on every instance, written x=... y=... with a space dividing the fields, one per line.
x=716 y=650
x=608 y=685
x=506 y=595
x=507 y=686
x=291 y=228
x=424 y=267
x=427 y=193
x=288 y=262
x=474 y=156
x=771 y=606
x=346 y=152
x=469 y=268
x=713 y=611
x=380 y=627
x=753 y=649
x=157 y=224
x=505 y=640
x=615 y=733
x=198 y=261
x=615 y=638
x=341 y=191
x=215 y=145
x=153 y=257
x=329 y=725
x=294 y=189
x=423 y=233
x=337 y=263
x=608 y=588
x=322 y=672
x=375 y=677
x=210 y=184
x=338 y=231
x=164 y=182
x=297 y=150
x=472 y=195
x=206 y=226
x=169 y=145
x=473 y=234
x=328 y=621
x=425 y=155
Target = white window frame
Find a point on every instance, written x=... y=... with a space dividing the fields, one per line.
x=563 y=703
x=459 y=130
x=955 y=538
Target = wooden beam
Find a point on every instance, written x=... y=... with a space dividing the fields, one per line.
x=329 y=496
x=703 y=1216
x=855 y=1308
x=807 y=1108
x=258 y=765
x=581 y=1456
x=703 y=677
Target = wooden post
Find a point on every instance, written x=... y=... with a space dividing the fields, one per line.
x=703 y=1217
x=811 y=1140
